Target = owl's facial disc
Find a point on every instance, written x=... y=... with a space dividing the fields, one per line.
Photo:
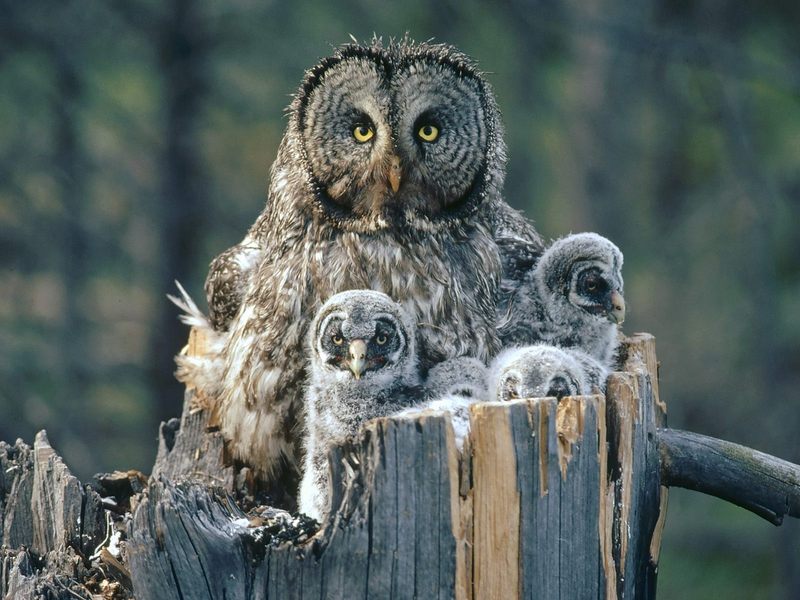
x=359 y=347
x=385 y=145
x=594 y=291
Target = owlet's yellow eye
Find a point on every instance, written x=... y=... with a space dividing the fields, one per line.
x=338 y=340
x=363 y=133
x=381 y=339
x=428 y=133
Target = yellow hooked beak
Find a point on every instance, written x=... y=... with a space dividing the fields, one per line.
x=394 y=173
x=617 y=311
x=358 y=357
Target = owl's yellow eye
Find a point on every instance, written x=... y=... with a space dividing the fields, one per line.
x=381 y=339
x=338 y=340
x=363 y=133
x=428 y=133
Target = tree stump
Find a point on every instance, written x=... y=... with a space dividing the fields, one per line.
x=548 y=499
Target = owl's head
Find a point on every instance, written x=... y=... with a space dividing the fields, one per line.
x=583 y=272
x=404 y=133
x=537 y=371
x=462 y=376
x=363 y=335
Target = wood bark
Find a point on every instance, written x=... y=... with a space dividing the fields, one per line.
x=763 y=484
x=50 y=524
x=394 y=532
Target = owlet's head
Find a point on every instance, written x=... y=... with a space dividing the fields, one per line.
x=537 y=371
x=583 y=273
x=363 y=335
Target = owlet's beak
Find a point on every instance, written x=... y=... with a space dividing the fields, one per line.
x=616 y=310
x=394 y=173
x=358 y=357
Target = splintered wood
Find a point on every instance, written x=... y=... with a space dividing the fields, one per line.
x=530 y=460
x=635 y=493
x=496 y=506
x=569 y=425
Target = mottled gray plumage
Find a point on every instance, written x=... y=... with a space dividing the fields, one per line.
x=462 y=376
x=388 y=178
x=363 y=364
x=452 y=387
x=541 y=370
x=520 y=246
x=572 y=298
x=227 y=281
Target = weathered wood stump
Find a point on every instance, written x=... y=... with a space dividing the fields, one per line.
x=549 y=499
x=50 y=525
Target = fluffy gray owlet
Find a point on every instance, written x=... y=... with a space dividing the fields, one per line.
x=388 y=178
x=572 y=297
x=541 y=371
x=452 y=386
x=363 y=364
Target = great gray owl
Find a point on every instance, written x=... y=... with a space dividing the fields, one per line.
x=388 y=178
x=363 y=364
x=541 y=370
x=572 y=297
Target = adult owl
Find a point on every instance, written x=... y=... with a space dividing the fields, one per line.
x=389 y=178
x=363 y=364
x=572 y=297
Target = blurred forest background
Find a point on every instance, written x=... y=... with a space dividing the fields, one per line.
x=136 y=136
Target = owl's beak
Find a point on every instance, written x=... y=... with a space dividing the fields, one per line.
x=394 y=173
x=358 y=357
x=616 y=310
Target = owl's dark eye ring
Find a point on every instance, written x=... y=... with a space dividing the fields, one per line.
x=428 y=133
x=363 y=133
x=337 y=339
x=381 y=339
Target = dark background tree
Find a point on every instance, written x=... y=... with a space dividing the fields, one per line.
x=135 y=139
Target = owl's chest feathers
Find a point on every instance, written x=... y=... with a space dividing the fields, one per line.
x=448 y=286
x=341 y=409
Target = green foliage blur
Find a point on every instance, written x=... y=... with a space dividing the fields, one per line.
x=135 y=141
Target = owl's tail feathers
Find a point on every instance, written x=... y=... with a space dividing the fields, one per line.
x=199 y=363
x=192 y=315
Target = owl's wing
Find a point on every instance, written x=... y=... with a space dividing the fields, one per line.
x=511 y=223
x=227 y=281
x=520 y=246
x=201 y=371
x=518 y=257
